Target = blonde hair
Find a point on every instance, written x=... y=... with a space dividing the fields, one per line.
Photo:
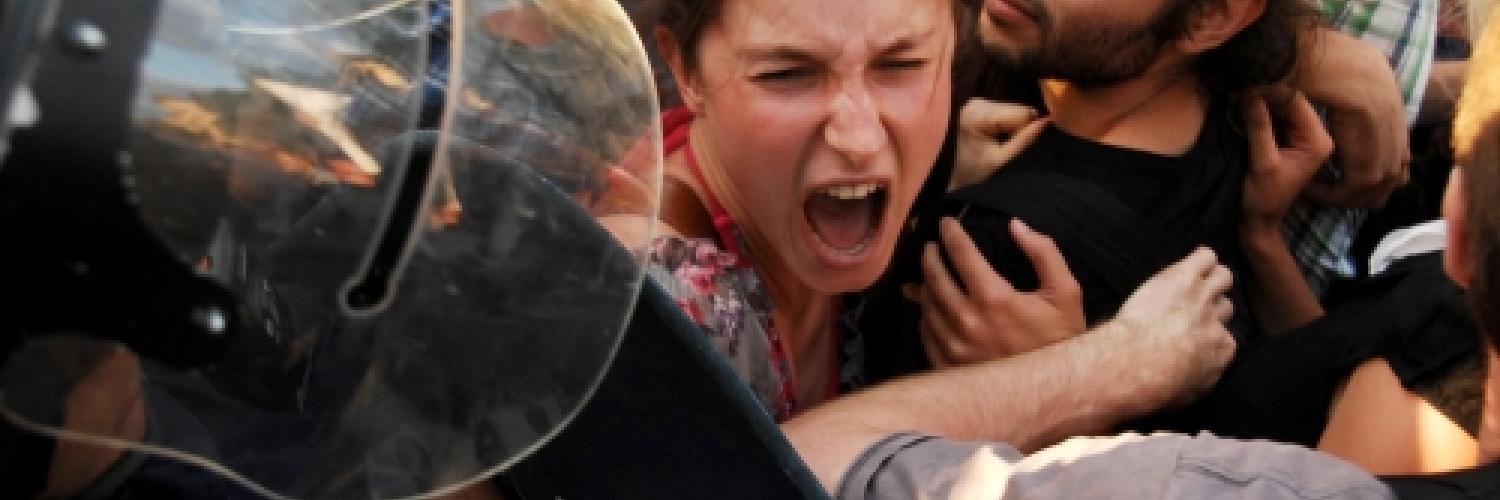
x=1481 y=95
x=1476 y=144
x=1478 y=14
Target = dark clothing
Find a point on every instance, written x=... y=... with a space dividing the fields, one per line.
x=1282 y=387
x=1474 y=484
x=670 y=420
x=1119 y=215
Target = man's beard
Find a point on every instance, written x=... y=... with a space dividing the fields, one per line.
x=1095 y=53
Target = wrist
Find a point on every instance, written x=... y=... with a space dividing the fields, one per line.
x=1262 y=246
x=1140 y=386
x=1261 y=231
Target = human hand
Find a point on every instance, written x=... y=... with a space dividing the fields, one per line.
x=1174 y=326
x=1355 y=84
x=107 y=403
x=626 y=208
x=991 y=319
x=981 y=150
x=1279 y=172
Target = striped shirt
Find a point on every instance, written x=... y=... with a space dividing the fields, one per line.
x=1321 y=237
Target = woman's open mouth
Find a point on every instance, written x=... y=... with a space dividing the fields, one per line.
x=846 y=218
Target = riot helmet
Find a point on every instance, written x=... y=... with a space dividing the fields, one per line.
x=237 y=209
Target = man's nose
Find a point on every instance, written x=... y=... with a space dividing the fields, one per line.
x=854 y=127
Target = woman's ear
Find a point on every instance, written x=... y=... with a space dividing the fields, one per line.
x=1456 y=259
x=1217 y=22
x=671 y=51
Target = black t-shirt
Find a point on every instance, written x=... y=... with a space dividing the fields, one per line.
x=1195 y=197
x=1478 y=483
x=1280 y=387
x=1119 y=215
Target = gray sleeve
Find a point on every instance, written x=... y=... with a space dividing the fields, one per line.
x=906 y=466
x=1167 y=467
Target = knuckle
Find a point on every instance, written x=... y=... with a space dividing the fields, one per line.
x=1069 y=288
x=967 y=324
x=994 y=299
x=959 y=352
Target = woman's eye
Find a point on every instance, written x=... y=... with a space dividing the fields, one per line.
x=902 y=64
x=783 y=75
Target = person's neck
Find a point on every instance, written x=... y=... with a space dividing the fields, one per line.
x=802 y=315
x=1159 y=112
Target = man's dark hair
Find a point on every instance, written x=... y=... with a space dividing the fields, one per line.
x=1264 y=52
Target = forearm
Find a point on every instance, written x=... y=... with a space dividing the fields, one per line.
x=1279 y=293
x=1332 y=61
x=1084 y=385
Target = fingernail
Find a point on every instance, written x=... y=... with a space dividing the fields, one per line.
x=1021 y=225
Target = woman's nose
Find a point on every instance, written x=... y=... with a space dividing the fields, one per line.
x=854 y=127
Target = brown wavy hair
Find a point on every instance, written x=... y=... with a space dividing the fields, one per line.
x=1264 y=52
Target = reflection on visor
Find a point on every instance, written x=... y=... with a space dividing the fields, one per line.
x=23 y=110
x=418 y=308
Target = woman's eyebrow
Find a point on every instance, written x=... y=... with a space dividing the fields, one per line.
x=783 y=52
x=774 y=53
x=906 y=42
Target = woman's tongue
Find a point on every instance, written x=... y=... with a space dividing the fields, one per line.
x=844 y=224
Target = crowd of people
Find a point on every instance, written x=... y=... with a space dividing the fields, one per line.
x=920 y=230
x=949 y=244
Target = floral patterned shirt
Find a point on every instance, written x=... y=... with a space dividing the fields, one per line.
x=723 y=295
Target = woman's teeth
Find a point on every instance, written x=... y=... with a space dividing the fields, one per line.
x=851 y=192
x=846 y=217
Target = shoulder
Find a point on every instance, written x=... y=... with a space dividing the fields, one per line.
x=675 y=254
x=709 y=283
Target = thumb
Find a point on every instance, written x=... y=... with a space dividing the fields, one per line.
x=991 y=155
x=1263 y=149
x=993 y=118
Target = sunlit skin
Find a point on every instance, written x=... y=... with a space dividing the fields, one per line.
x=793 y=97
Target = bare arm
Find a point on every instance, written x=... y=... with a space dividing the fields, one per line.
x=1354 y=83
x=1278 y=173
x=1415 y=436
x=1168 y=343
x=1280 y=294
